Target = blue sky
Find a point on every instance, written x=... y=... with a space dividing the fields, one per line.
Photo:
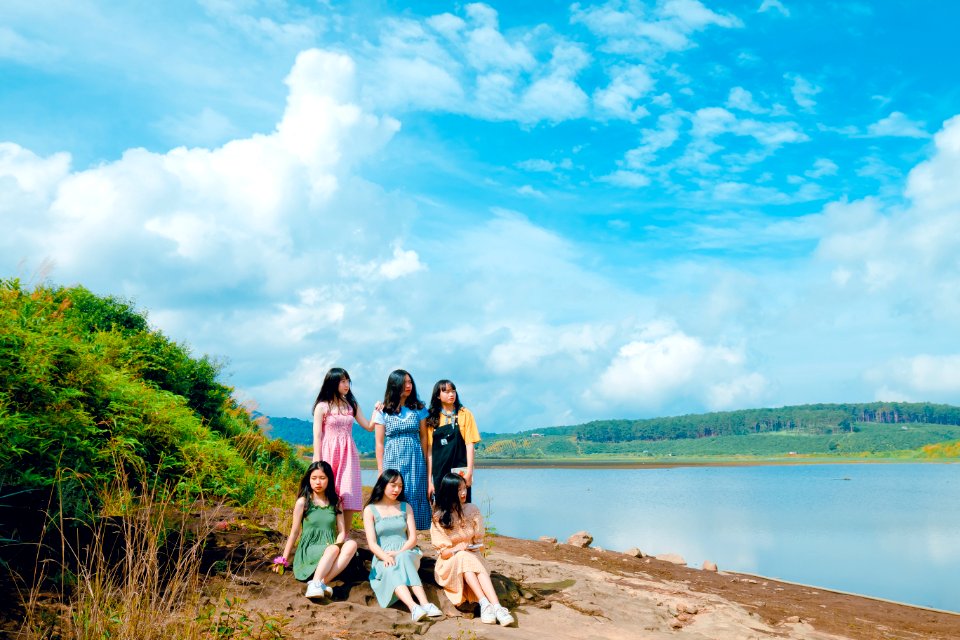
x=573 y=210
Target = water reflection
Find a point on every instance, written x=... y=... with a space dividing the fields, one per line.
x=888 y=530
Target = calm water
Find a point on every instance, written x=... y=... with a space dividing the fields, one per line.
x=887 y=530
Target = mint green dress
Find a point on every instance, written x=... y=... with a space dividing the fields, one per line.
x=317 y=532
x=391 y=535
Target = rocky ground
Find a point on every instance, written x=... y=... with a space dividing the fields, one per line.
x=562 y=591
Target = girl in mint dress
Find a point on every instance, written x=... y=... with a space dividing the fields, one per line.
x=323 y=550
x=392 y=538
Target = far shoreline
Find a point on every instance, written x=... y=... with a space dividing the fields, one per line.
x=661 y=463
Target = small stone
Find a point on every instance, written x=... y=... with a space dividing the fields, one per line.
x=674 y=558
x=676 y=624
x=709 y=566
x=692 y=609
x=682 y=617
x=600 y=549
x=635 y=552
x=793 y=620
x=549 y=539
x=580 y=539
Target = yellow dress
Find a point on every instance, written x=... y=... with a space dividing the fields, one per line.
x=449 y=572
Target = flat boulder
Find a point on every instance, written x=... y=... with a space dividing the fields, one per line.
x=580 y=539
x=549 y=539
x=674 y=558
x=634 y=552
x=709 y=566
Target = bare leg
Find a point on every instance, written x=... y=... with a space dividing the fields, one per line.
x=404 y=594
x=343 y=559
x=421 y=595
x=348 y=521
x=326 y=562
x=481 y=586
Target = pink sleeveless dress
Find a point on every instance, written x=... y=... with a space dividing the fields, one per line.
x=340 y=451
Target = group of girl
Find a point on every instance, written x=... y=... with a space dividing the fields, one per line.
x=423 y=454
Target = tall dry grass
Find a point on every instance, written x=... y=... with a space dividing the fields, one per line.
x=135 y=574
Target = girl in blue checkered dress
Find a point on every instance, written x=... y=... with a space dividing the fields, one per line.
x=401 y=432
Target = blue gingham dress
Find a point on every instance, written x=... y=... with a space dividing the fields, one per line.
x=401 y=451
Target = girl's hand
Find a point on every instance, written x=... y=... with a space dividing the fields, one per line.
x=430 y=489
x=389 y=561
x=468 y=476
x=378 y=406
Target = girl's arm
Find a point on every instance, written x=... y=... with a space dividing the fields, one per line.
x=341 y=528
x=318 y=413
x=442 y=542
x=469 y=476
x=379 y=431
x=298 y=508
x=369 y=526
x=362 y=420
x=430 y=488
x=411 y=531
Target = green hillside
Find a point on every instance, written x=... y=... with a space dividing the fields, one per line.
x=877 y=428
x=90 y=395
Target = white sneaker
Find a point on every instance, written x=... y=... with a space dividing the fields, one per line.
x=327 y=589
x=487 y=614
x=315 y=590
x=433 y=611
x=418 y=613
x=504 y=617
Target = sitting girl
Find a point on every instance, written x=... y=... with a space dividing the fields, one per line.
x=392 y=538
x=457 y=533
x=323 y=551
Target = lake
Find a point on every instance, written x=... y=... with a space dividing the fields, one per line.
x=885 y=530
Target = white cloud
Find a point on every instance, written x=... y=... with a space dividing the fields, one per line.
x=528 y=190
x=618 y=99
x=924 y=377
x=18 y=48
x=803 y=91
x=542 y=165
x=669 y=26
x=822 y=167
x=742 y=99
x=630 y=179
x=899 y=125
x=663 y=363
x=773 y=5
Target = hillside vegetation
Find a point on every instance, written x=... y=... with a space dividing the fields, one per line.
x=89 y=394
x=913 y=430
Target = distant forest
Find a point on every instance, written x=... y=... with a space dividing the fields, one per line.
x=813 y=419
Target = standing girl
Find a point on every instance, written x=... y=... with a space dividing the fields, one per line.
x=451 y=434
x=392 y=539
x=402 y=441
x=457 y=533
x=323 y=551
x=334 y=412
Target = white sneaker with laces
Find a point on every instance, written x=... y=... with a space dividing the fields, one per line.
x=433 y=611
x=418 y=613
x=315 y=590
x=504 y=617
x=487 y=614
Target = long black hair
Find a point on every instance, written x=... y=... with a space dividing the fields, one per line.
x=433 y=417
x=391 y=397
x=448 y=500
x=330 y=390
x=306 y=491
x=388 y=476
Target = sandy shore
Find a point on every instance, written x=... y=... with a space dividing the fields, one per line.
x=561 y=591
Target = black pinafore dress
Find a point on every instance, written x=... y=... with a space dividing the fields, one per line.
x=449 y=450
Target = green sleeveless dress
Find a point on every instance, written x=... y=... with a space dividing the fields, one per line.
x=317 y=532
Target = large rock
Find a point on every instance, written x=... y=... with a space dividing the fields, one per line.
x=675 y=558
x=635 y=552
x=549 y=539
x=709 y=566
x=580 y=539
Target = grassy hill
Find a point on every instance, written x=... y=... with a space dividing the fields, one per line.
x=886 y=429
x=90 y=395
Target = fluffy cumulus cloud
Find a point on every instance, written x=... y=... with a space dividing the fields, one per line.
x=663 y=362
x=922 y=377
x=899 y=125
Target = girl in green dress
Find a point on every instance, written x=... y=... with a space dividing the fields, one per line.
x=392 y=538
x=323 y=551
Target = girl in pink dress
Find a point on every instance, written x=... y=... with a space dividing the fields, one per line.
x=334 y=412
